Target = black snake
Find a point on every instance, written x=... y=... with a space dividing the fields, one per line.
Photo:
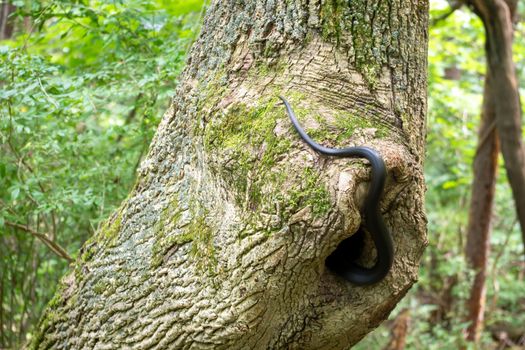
x=373 y=220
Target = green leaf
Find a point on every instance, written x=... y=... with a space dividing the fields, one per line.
x=14 y=193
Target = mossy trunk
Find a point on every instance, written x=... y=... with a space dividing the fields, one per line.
x=222 y=242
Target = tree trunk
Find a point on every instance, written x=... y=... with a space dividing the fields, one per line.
x=498 y=17
x=399 y=331
x=6 y=23
x=480 y=213
x=223 y=240
x=500 y=122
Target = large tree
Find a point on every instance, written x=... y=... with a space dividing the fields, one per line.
x=222 y=242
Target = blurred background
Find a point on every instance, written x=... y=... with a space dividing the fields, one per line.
x=83 y=85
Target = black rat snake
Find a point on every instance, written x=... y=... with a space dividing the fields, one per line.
x=373 y=220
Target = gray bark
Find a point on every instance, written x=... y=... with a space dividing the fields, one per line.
x=222 y=242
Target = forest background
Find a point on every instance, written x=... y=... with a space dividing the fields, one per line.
x=83 y=86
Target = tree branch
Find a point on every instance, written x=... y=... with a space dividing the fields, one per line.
x=456 y=5
x=55 y=247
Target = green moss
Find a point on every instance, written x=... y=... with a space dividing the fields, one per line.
x=345 y=125
x=168 y=220
x=312 y=192
x=87 y=255
x=100 y=287
x=332 y=18
x=247 y=154
x=362 y=28
x=52 y=313
x=267 y=68
x=109 y=232
x=107 y=286
x=45 y=323
x=246 y=136
x=202 y=248
x=106 y=235
x=197 y=232
x=57 y=299
x=339 y=127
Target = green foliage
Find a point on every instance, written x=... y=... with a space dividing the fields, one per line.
x=83 y=87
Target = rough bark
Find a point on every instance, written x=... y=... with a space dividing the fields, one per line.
x=222 y=242
x=480 y=213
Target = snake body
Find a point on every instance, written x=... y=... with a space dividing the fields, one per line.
x=373 y=220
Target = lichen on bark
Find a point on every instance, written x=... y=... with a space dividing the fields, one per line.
x=367 y=29
x=247 y=149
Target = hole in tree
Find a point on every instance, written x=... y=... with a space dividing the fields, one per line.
x=347 y=252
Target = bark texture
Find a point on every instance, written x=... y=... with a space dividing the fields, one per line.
x=222 y=242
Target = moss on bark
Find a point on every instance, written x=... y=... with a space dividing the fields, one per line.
x=364 y=28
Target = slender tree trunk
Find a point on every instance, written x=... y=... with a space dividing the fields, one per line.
x=399 y=331
x=480 y=214
x=501 y=122
x=222 y=242
x=6 y=24
x=3 y=339
x=498 y=17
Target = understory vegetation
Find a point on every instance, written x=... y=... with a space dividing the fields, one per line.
x=83 y=86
